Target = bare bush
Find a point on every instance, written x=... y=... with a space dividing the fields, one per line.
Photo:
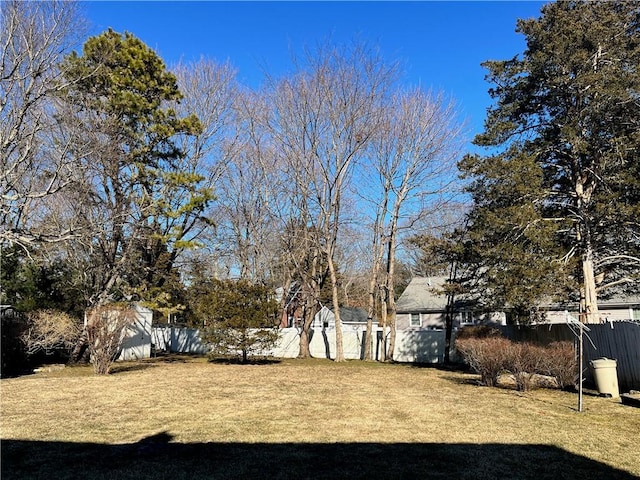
x=560 y=363
x=485 y=356
x=49 y=330
x=105 y=330
x=523 y=361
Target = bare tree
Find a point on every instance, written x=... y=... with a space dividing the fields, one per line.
x=352 y=90
x=35 y=160
x=209 y=91
x=324 y=116
x=249 y=194
x=414 y=156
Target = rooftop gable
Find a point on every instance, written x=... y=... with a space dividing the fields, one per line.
x=423 y=294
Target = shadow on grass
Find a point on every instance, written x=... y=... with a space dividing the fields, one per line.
x=129 y=367
x=250 y=361
x=445 y=367
x=162 y=357
x=156 y=457
x=475 y=380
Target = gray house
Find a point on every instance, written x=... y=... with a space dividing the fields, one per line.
x=423 y=305
x=611 y=310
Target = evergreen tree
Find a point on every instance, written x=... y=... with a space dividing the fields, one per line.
x=238 y=317
x=139 y=198
x=556 y=199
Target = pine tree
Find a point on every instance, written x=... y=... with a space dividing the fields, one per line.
x=138 y=197
x=556 y=198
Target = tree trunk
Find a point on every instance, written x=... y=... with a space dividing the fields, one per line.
x=305 y=338
x=370 y=312
x=336 y=311
x=583 y=236
x=448 y=319
x=383 y=314
x=448 y=328
x=391 y=317
x=592 y=314
x=80 y=347
x=390 y=280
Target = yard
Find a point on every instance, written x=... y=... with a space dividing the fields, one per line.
x=182 y=417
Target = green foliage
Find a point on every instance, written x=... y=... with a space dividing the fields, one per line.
x=141 y=194
x=12 y=351
x=238 y=317
x=431 y=259
x=515 y=247
x=28 y=284
x=128 y=82
x=561 y=182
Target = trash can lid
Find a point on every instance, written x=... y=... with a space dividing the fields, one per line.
x=604 y=362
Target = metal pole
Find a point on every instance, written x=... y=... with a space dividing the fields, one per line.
x=580 y=356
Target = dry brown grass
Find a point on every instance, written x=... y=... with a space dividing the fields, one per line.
x=377 y=421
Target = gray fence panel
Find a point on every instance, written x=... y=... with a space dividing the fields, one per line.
x=617 y=340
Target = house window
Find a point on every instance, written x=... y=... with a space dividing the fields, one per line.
x=415 y=320
x=466 y=318
x=636 y=313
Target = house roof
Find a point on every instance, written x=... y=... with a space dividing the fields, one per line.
x=621 y=299
x=347 y=314
x=423 y=294
x=353 y=315
x=617 y=301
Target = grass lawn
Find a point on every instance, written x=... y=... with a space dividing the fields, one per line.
x=181 y=417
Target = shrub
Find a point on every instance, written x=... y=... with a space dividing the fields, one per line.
x=49 y=331
x=490 y=356
x=105 y=330
x=486 y=356
x=523 y=361
x=560 y=363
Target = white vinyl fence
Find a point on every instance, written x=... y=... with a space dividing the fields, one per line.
x=178 y=340
x=411 y=346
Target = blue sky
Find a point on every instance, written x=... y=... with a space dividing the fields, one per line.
x=440 y=44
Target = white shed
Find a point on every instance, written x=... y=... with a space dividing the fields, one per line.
x=136 y=343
